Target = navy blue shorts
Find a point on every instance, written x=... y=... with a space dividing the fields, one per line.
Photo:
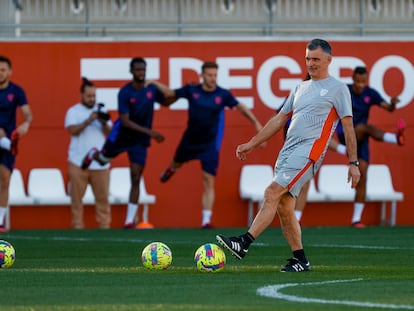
x=7 y=159
x=362 y=148
x=208 y=154
x=137 y=153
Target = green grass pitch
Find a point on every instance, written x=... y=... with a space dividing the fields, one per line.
x=352 y=269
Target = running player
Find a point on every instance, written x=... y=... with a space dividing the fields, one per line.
x=363 y=98
x=132 y=132
x=203 y=135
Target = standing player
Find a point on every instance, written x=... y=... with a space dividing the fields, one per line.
x=203 y=135
x=12 y=97
x=363 y=98
x=132 y=132
x=316 y=106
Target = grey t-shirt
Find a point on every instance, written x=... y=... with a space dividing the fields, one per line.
x=316 y=108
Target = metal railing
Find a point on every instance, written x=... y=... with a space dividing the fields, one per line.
x=51 y=18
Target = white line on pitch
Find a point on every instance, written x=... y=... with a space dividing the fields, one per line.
x=273 y=291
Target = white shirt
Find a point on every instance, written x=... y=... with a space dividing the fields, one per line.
x=92 y=136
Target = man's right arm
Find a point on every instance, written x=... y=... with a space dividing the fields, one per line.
x=275 y=123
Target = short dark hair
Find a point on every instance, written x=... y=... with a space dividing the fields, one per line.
x=319 y=43
x=5 y=59
x=360 y=70
x=136 y=60
x=209 y=65
x=86 y=83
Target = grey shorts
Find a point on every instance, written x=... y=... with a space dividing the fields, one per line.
x=293 y=172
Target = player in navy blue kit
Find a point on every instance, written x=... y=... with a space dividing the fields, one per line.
x=132 y=132
x=12 y=97
x=204 y=133
x=363 y=98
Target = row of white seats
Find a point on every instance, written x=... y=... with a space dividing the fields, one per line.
x=332 y=187
x=46 y=186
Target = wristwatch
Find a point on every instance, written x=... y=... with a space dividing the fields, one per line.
x=356 y=163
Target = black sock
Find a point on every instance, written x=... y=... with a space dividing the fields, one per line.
x=247 y=239
x=300 y=255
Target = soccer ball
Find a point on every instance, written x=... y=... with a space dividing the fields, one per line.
x=156 y=255
x=7 y=254
x=209 y=258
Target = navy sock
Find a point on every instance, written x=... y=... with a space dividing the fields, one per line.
x=300 y=255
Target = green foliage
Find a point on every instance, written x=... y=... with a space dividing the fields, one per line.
x=101 y=270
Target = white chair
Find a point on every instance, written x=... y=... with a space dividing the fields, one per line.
x=120 y=185
x=46 y=187
x=381 y=189
x=313 y=194
x=332 y=183
x=17 y=194
x=254 y=178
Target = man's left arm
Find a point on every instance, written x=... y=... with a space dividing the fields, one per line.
x=351 y=146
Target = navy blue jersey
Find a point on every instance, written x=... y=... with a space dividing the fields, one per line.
x=139 y=104
x=361 y=103
x=205 y=112
x=12 y=97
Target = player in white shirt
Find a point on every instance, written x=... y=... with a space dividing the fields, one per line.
x=88 y=124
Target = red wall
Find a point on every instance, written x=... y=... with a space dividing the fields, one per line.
x=50 y=73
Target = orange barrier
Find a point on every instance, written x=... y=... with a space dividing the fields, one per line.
x=260 y=73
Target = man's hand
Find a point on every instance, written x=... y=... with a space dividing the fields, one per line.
x=353 y=175
x=394 y=101
x=159 y=138
x=243 y=150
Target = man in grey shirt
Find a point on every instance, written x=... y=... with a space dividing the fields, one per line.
x=315 y=106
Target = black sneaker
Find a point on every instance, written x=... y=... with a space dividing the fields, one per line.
x=234 y=244
x=167 y=174
x=294 y=265
x=87 y=160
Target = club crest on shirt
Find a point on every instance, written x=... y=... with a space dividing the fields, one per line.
x=323 y=92
x=367 y=99
x=196 y=95
x=10 y=97
x=149 y=95
x=218 y=100
x=133 y=100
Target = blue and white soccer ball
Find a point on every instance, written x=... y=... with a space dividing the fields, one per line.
x=209 y=258
x=7 y=254
x=156 y=255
